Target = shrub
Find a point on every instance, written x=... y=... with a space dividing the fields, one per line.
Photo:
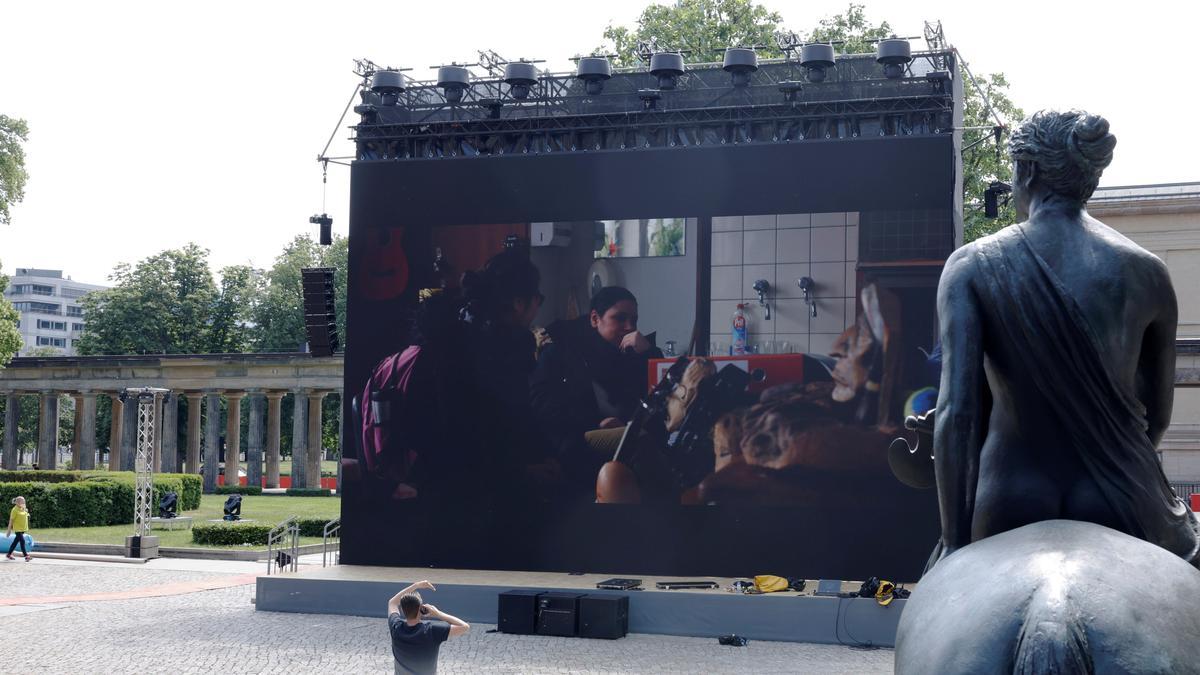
x=309 y=492
x=231 y=534
x=238 y=490
x=312 y=527
x=31 y=476
x=67 y=504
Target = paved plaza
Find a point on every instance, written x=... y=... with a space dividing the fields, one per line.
x=78 y=617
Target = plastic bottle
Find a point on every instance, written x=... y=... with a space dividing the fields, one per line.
x=738 y=347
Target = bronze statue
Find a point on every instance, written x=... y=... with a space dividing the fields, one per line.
x=1058 y=347
x=1064 y=549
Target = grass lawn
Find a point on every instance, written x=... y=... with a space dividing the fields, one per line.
x=328 y=467
x=263 y=510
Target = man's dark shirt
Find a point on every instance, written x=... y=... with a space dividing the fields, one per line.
x=415 y=648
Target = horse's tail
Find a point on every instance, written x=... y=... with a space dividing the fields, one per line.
x=1052 y=640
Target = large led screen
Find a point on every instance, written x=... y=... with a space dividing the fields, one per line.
x=685 y=362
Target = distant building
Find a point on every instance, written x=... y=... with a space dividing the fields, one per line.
x=1165 y=220
x=51 y=315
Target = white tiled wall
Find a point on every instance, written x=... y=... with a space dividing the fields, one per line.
x=781 y=249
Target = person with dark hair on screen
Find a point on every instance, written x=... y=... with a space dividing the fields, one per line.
x=459 y=419
x=591 y=375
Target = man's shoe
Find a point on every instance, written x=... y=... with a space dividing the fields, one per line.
x=27 y=558
x=9 y=556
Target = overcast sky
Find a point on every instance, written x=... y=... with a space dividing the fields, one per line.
x=156 y=124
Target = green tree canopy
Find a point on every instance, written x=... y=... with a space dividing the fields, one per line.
x=13 y=132
x=10 y=337
x=703 y=27
x=706 y=27
x=162 y=305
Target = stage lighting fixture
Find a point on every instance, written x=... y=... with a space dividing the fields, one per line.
x=667 y=67
x=233 y=508
x=520 y=77
x=791 y=89
x=815 y=58
x=740 y=63
x=326 y=224
x=389 y=84
x=991 y=198
x=493 y=106
x=649 y=98
x=894 y=54
x=594 y=71
x=453 y=81
x=168 y=505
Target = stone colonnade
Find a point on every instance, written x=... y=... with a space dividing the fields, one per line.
x=306 y=433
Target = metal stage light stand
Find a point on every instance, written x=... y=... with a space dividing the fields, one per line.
x=141 y=544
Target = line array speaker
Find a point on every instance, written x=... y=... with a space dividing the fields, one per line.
x=320 y=319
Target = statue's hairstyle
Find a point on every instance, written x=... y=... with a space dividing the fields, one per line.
x=1070 y=149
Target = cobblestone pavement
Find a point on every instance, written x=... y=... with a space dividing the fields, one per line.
x=219 y=631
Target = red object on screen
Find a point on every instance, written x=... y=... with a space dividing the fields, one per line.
x=1196 y=501
x=384 y=272
x=779 y=368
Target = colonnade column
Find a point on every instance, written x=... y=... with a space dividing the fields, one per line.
x=233 y=436
x=312 y=472
x=254 y=440
x=299 y=439
x=192 y=464
x=12 y=413
x=212 y=440
x=114 y=435
x=274 y=406
x=48 y=431
x=76 y=437
x=129 y=433
x=85 y=431
x=169 y=446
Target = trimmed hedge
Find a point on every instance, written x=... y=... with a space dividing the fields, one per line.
x=31 y=476
x=94 y=498
x=67 y=504
x=309 y=492
x=238 y=490
x=231 y=534
x=237 y=534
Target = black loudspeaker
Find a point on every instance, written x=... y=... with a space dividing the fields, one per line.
x=517 y=612
x=604 y=616
x=320 y=319
x=558 y=614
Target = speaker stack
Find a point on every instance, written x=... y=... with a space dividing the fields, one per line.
x=320 y=319
x=604 y=616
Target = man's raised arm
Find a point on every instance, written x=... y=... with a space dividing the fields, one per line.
x=394 y=603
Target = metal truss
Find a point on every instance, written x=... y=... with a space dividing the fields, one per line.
x=148 y=400
x=704 y=108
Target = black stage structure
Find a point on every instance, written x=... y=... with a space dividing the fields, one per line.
x=516 y=145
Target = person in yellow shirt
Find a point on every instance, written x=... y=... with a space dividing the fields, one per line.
x=18 y=521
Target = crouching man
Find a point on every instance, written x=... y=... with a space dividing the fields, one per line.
x=418 y=630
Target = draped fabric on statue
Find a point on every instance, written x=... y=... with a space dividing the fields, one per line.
x=1104 y=419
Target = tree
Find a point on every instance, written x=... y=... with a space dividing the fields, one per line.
x=162 y=305
x=10 y=337
x=13 y=132
x=988 y=161
x=241 y=289
x=703 y=27
x=708 y=26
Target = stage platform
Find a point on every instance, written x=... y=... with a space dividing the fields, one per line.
x=472 y=596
